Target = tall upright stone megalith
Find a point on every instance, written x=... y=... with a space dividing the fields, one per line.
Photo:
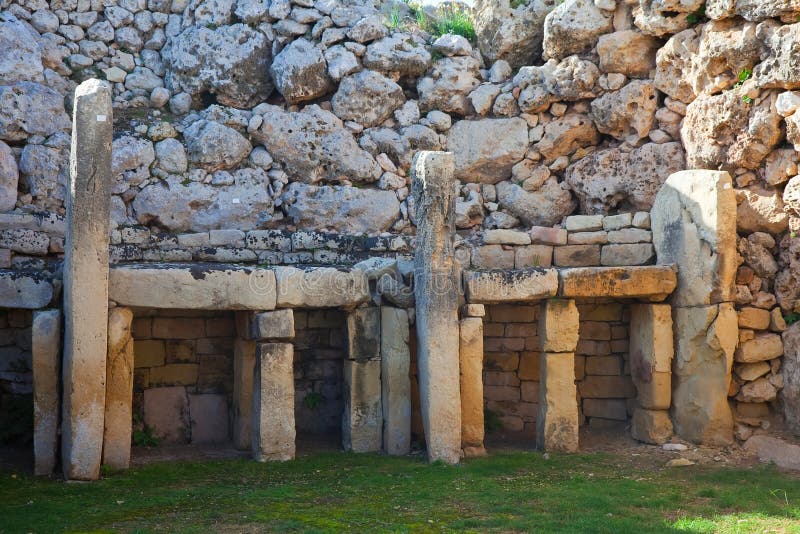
x=694 y=228
x=437 y=290
x=86 y=282
x=119 y=390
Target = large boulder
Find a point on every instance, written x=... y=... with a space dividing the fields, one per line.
x=348 y=210
x=313 y=145
x=569 y=80
x=448 y=85
x=9 y=177
x=230 y=62
x=367 y=98
x=44 y=171
x=755 y=10
x=487 y=149
x=300 y=72
x=398 y=54
x=28 y=108
x=787 y=282
x=129 y=153
x=790 y=371
x=545 y=206
x=513 y=34
x=628 y=52
x=21 y=59
x=574 y=27
x=760 y=210
x=779 y=67
x=664 y=17
x=728 y=132
x=214 y=146
x=564 y=135
x=627 y=114
x=178 y=206
x=611 y=179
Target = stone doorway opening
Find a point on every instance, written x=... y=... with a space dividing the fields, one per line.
x=16 y=383
x=183 y=377
x=320 y=349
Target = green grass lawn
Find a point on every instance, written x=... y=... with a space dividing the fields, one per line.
x=329 y=492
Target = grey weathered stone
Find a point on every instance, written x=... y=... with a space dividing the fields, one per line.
x=486 y=150
x=399 y=54
x=364 y=334
x=28 y=108
x=362 y=420
x=574 y=27
x=790 y=371
x=448 y=85
x=202 y=286
x=471 y=369
x=436 y=291
x=273 y=428
x=367 y=98
x=166 y=413
x=544 y=206
x=395 y=381
x=214 y=146
x=9 y=178
x=230 y=62
x=244 y=361
x=323 y=287
x=300 y=72
x=24 y=289
x=86 y=282
x=46 y=366
x=119 y=390
x=491 y=287
x=22 y=57
x=511 y=34
x=694 y=227
x=275 y=325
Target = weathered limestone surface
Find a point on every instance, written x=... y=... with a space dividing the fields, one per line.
x=46 y=366
x=492 y=287
x=790 y=371
x=705 y=339
x=395 y=381
x=193 y=286
x=166 y=413
x=437 y=298
x=273 y=429
x=362 y=421
x=364 y=334
x=320 y=288
x=558 y=326
x=86 y=282
x=654 y=282
x=28 y=290
x=651 y=426
x=275 y=325
x=651 y=351
x=244 y=361
x=119 y=390
x=694 y=227
x=471 y=363
x=557 y=419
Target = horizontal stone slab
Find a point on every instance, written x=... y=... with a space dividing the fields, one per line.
x=200 y=286
x=493 y=287
x=24 y=289
x=653 y=282
x=321 y=287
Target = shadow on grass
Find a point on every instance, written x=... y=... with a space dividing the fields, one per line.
x=333 y=492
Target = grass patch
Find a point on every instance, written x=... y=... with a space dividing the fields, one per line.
x=334 y=492
x=448 y=18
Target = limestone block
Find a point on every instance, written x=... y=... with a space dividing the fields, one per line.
x=273 y=428
x=558 y=325
x=606 y=408
x=321 y=288
x=244 y=361
x=119 y=390
x=606 y=387
x=395 y=381
x=576 y=255
x=557 y=417
x=652 y=282
x=790 y=371
x=651 y=351
x=364 y=334
x=209 y=418
x=761 y=348
x=471 y=365
x=193 y=286
x=651 y=426
x=755 y=318
x=694 y=227
x=86 y=282
x=436 y=290
x=166 y=413
x=705 y=339
x=473 y=310
x=46 y=366
x=275 y=325
x=492 y=287
x=627 y=254
x=20 y=289
x=362 y=420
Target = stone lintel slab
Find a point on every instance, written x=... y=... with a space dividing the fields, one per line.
x=24 y=289
x=498 y=286
x=199 y=286
x=322 y=287
x=651 y=282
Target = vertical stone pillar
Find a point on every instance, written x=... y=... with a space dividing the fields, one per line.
x=471 y=366
x=436 y=291
x=557 y=418
x=651 y=351
x=694 y=228
x=244 y=361
x=273 y=427
x=46 y=363
x=395 y=381
x=362 y=420
x=86 y=282
x=119 y=390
